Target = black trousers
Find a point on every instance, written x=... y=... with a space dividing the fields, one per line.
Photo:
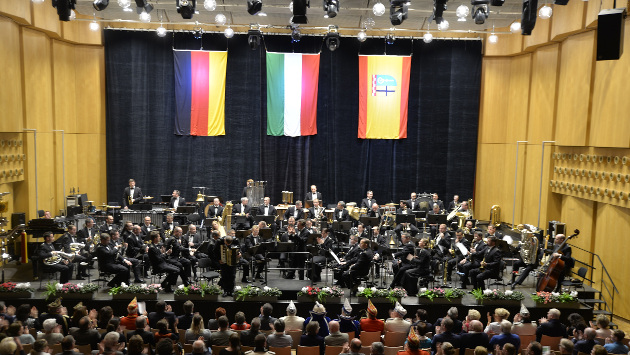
x=465 y=270
x=171 y=272
x=319 y=262
x=228 y=273
x=297 y=261
x=121 y=273
x=137 y=267
x=400 y=273
x=183 y=266
x=78 y=259
x=349 y=277
x=478 y=276
x=65 y=271
x=528 y=268
x=410 y=278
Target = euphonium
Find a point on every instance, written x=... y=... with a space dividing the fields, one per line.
x=495 y=215
x=56 y=259
x=75 y=247
x=529 y=247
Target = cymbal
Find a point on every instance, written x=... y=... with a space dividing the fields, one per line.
x=390 y=204
x=103 y=205
x=147 y=197
x=113 y=207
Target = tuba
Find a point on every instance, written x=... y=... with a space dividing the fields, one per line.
x=529 y=247
x=495 y=215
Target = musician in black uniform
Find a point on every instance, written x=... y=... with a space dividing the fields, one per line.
x=47 y=250
x=228 y=272
x=127 y=230
x=455 y=255
x=442 y=243
x=81 y=255
x=348 y=259
x=435 y=200
x=564 y=253
x=361 y=232
x=158 y=257
x=122 y=247
x=250 y=183
x=413 y=202
x=341 y=213
x=193 y=240
x=474 y=257
x=147 y=228
x=401 y=263
x=317 y=212
x=409 y=227
x=255 y=256
x=109 y=260
x=313 y=194
x=215 y=210
x=374 y=211
x=243 y=209
x=289 y=235
x=368 y=201
x=420 y=267
x=362 y=265
x=136 y=248
x=131 y=194
x=489 y=267
x=324 y=244
x=109 y=225
x=492 y=232
x=168 y=225
x=454 y=204
x=176 y=200
x=299 y=260
x=88 y=232
x=179 y=255
x=294 y=211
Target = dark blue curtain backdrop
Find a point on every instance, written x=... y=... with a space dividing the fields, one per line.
x=439 y=154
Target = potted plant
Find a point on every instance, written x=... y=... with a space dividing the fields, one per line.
x=202 y=291
x=70 y=291
x=556 y=299
x=496 y=297
x=325 y=294
x=439 y=295
x=141 y=292
x=377 y=295
x=12 y=290
x=253 y=293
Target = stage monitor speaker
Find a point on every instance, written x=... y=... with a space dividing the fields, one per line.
x=610 y=29
x=17 y=219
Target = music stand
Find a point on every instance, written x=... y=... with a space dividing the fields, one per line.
x=203 y=248
x=503 y=246
x=265 y=233
x=186 y=209
x=406 y=218
x=268 y=219
x=284 y=246
x=166 y=198
x=312 y=238
x=208 y=222
x=238 y=219
x=436 y=219
x=242 y=233
x=420 y=214
x=370 y=221
x=308 y=204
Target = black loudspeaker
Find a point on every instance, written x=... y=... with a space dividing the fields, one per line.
x=74 y=210
x=610 y=28
x=528 y=19
x=17 y=219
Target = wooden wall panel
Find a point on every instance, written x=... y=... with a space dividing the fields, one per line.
x=543 y=94
x=90 y=171
x=20 y=11
x=10 y=198
x=508 y=44
x=572 y=119
x=65 y=82
x=610 y=123
x=567 y=19
x=10 y=77
x=79 y=32
x=593 y=8
x=540 y=35
x=518 y=98
x=90 y=93
x=45 y=18
x=579 y=214
x=531 y=185
x=38 y=98
x=495 y=81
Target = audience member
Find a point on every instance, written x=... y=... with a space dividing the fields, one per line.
x=163 y=331
x=396 y=323
x=16 y=329
x=260 y=346
x=494 y=327
x=279 y=339
x=291 y=321
x=110 y=344
x=586 y=342
x=446 y=349
x=266 y=320
x=162 y=310
x=199 y=348
x=474 y=338
x=522 y=324
x=335 y=338
x=67 y=346
x=104 y=315
x=312 y=337
x=129 y=321
x=213 y=324
x=614 y=344
x=508 y=349
x=506 y=336
x=371 y=323
x=534 y=348
x=577 y=324
x=40 y=347
x=185 y=320
x=239 y=322
x=601 y=326
x=354 y=348
x=598 y=350
x=52 y=332
x=452 y=313
x=473 y=314
x=85 y=334
x=114 y=326
x=346 y=320
x=143 y=330
x=248 y=336
x=445 y=334
x=135 y=345
x=412 y=345
x=27 y=315
x=222 y=336
x=551 y=326
x=196 y=330
x=8 y=346
x=377 y=348
x=234 y=345
x=565 y=347
x=421 y=331
x=480 y=350
x=164 y=347
x=318 y=314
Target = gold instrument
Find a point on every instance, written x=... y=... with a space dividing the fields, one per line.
x=453 y=213
x=461 y=220
x=483 y=262
x=391 y=238
x=529 y=247
x=96 y=240
x=545 y=259
x=353 y=210
x=76 y=247
x=470 y=208
x=227 y=214
x=4 y=206
x=200 y=197
x=58 y=257
x=229 y=254
x=129 y=200
x=167 y=233
x=287 y=197
x=495 y=215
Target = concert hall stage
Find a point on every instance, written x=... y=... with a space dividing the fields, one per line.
x=289 y=290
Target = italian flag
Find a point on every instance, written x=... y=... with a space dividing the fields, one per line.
x=292 y=80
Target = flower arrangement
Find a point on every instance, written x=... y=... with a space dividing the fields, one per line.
x=54 y=289
x=392 y=295
x=438 y=292
x=321 y=293
x=560 y=297
x=144 y=289
x=252 y=291
x=494 y=294
x=16 y=287
x=202 y=289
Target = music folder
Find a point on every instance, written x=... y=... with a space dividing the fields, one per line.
x=186 y=209
x=312 y=238
x=370 y=221
x=268 y=219
x=343 y=226
x=406 y=218
x=332 y=253
x=436 y=218
x=284 y=246
x=265 y=233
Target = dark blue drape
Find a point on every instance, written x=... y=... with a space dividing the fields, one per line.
x=439 y=154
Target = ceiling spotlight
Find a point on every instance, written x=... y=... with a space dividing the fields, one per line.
x=545 y=12
x=462 y=12
x=186 y=8
x=515 y=27
x=291 y=6
x=295 y=34
x=94 y=26
x=378 y=9
x=333 y=40
x=398 y=11
x=229 y=32
x=443 y=25
x=493 y=38
x=480 y=13
x=438 y=10
x=145 y=17
x=210 y=5
x=390 y=38
x=361 y=36
x=220 y=19
x=37 y=1
x=428 y=37
x=100 y=5
x=368 y=23
x=73 y=15
x=143 y=5
x=254 y=6
x=331 y=7
x=299 y=11
x=197 y=32
x=161 y=31
x=253 y=38
x=125 y=4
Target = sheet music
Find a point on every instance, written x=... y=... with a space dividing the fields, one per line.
x=508 y=239
x=334 y=256
x=462 y=248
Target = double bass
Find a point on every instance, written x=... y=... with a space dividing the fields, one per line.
x=553 y=269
